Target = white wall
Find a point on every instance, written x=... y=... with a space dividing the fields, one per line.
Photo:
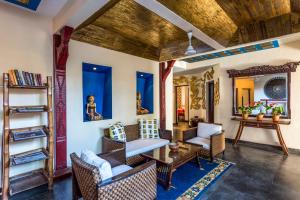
x=286 y=53
x=88 y=134
x=27 y=45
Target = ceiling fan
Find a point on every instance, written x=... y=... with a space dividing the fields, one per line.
x=190 y=50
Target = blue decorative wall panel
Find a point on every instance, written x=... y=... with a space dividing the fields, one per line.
x=144 y=86
x=97 y=81
x=29 y=4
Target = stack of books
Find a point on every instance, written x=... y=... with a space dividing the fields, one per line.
x=21 y=78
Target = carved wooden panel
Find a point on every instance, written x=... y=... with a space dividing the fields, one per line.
x=60 y=56
x=60 y=119
x=264 y=69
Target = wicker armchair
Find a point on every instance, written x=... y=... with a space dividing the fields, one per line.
x=132 y=133
x=211 y=146
x=137 y=183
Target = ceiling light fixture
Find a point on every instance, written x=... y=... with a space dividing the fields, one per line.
x=190 y=50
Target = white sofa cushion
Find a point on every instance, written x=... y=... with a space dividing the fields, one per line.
x=103 y=166
x=139 y=146
x=120 y=169
x=205 y=130
x=200 y=141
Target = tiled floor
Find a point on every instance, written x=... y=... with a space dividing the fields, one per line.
x=258 y=174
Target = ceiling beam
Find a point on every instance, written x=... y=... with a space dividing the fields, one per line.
x=178 y=21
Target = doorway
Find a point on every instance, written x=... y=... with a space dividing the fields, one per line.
x=210 y=104
x=182 y=104
x=246 y=92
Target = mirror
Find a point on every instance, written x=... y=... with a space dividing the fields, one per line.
x=269 y=89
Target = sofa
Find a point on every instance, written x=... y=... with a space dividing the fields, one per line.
x=126 y=182
x=210 y=136
x=134 y=146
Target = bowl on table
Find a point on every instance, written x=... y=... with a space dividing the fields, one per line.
x=174 y=146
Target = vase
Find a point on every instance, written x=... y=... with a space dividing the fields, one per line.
x=276 y=118
x=259 y=117
x=245 y=116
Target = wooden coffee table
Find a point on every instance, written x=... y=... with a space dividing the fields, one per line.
x=168 y=161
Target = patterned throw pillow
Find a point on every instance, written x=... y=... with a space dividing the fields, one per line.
x=117 y=132
x=148 y=129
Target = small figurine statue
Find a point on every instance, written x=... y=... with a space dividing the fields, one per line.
x=91 y=109
x=139 y=109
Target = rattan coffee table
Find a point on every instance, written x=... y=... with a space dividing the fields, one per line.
x=168 y=161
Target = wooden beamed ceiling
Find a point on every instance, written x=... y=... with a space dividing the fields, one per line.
x=126 y=26
x=129 y=27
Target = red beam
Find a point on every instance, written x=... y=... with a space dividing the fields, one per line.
x=60 y=57
x=163 y=75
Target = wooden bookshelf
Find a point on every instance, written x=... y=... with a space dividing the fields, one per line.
x=29 y=180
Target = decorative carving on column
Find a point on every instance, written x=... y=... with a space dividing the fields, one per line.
x=217 y=92
x=163 y=75
x=60 y=57
x=195 y=92
x=207 y=76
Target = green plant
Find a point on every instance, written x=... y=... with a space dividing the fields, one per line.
x=259 y=105
x=277 y=110
x=246 y=109
x=269 y=107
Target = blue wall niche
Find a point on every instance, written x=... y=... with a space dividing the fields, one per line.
x=144 y=93
x=96 y=81
x=31 y=4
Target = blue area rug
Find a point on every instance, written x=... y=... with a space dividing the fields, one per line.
x=190 y=182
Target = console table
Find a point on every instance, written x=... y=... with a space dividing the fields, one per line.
x=265 y=124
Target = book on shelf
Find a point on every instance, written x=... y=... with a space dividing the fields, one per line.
x=23 y=78
x=30 y=109
x=28 y=157
x=28 y=134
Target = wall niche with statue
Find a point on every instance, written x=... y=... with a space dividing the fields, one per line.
x=144 y=93
x=97 y=92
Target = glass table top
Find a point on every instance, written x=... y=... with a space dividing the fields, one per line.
x=164 y=154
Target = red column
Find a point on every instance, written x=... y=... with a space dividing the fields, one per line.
x=60 y=57
x=163 y=75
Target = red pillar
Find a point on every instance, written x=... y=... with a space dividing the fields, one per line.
x=163 y=75
x=60 y=57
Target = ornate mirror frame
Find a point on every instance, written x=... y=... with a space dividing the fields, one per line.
x=263 y=70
